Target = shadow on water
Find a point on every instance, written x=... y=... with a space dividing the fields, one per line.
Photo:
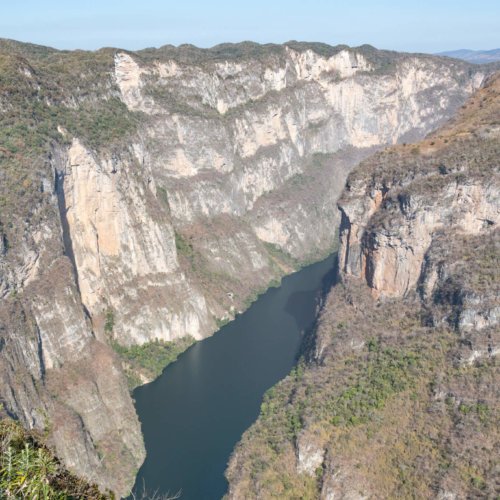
x=301 y=305
x=193 y=415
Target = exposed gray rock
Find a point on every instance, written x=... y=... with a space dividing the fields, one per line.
x=233 y=161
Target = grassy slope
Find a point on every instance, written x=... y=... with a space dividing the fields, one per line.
x=143 y=363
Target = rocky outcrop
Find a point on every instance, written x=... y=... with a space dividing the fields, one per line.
x=391 y=213
x=391 y=258
x=460 y=287
x=57 y=377
x=147 y=195
x=401 y=374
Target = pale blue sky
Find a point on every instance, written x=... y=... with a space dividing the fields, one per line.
x=417 y=25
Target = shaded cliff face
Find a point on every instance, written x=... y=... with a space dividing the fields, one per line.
x=149 y=195
x=397 y=395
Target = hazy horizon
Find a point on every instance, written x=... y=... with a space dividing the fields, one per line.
x=423 y=27
x=486 y=49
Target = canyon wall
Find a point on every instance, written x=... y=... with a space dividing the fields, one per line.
x=396 y=395
x=254 y=148
x=148 y=196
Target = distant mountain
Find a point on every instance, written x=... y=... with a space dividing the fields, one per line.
x=474 y=56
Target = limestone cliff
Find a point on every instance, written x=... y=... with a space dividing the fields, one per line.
x=146 y=196
x=397 y=394
x=228 y=143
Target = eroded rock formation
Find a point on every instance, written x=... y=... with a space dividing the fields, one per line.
x=145 y=196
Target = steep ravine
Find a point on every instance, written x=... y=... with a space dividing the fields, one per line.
x=216 y=387
x=187 y=180
x=398 y=395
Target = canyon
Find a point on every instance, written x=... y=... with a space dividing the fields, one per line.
x=149 y=196
x=397 y=392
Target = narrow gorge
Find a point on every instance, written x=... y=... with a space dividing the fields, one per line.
x=398 y=392
x=148 y=197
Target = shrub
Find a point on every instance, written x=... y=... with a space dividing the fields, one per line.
x=28 y=469
x=150 y=359
x=109 y=321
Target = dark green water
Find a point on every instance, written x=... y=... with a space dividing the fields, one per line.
x=194 y=414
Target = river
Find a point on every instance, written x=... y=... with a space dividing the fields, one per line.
x=193 y=415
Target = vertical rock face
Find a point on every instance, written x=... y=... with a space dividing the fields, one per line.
x=392 y=210
x=57 y=377
x=232 y=140
x=125 y=253
x=391 y=259
x=401 y=374
x=165 y=188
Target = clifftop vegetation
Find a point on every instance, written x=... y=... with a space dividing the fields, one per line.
x=48 y=97
x=28 y=469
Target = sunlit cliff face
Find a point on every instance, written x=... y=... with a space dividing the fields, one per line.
x=229 y=178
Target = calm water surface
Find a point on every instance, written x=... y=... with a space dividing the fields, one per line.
x=196 y=411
